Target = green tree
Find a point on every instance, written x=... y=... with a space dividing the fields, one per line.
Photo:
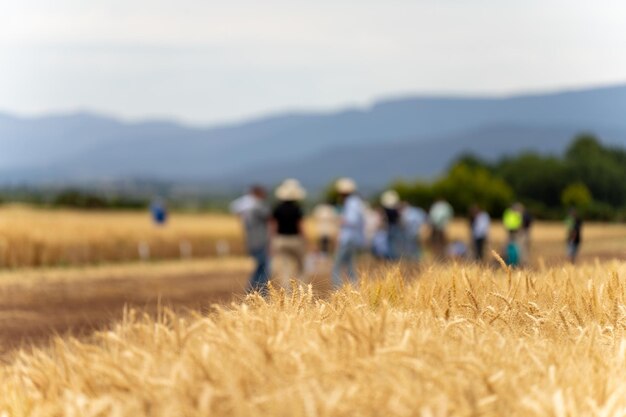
x=602 y=169
x=465 y=185
x=418 y=193
x=330 y=194
x=576 y=195
x=535 y=178
x=472 y=161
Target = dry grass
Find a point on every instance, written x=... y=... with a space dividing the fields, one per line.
x=457 y=341
x=28 y=278
x=34 y=237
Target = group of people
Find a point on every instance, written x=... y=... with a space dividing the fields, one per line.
x=391 y=230
x=279 y=231
x=517 y=222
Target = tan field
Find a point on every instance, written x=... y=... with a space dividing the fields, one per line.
x=446 y=341
x=432 y=340
x=34 y=237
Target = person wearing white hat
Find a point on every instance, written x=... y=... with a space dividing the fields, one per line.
x=440 y=215
x=288 y=244
x=391 y=215
x=351 y=233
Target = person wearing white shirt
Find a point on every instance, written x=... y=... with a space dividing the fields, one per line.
x=351 y=231
x=480 y=223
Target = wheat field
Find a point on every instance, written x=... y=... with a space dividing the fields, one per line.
x=442 y=341
x=39 y=237
x=31 y=237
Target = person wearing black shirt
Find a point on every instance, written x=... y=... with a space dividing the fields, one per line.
x=391 y=215
x=288 y=243
x=574 y=229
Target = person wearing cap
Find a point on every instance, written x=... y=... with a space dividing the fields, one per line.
x=351 y=232
x=254 y=214
x=391 y=214
x=288 y=243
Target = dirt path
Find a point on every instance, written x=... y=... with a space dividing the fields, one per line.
x=78 y=307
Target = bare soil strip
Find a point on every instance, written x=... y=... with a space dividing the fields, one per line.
x=32 y=312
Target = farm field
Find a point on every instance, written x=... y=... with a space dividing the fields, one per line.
x=448 y=340
x=111 y=335
x=32 y=237
x=39 y=237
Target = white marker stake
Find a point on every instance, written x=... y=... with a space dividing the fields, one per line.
x=185 y=249
x=222 y=248
x=144 y=251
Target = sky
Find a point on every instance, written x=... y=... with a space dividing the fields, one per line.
x=204 y=62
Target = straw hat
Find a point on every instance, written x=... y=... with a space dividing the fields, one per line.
x=390 y=199
x=290 y=190
x=345 y=186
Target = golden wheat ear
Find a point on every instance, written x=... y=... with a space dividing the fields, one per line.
x=500 y=260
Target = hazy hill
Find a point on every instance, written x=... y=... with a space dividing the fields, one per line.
x=397 y=137
x=375 y=165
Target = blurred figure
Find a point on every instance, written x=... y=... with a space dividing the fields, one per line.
x=457 y=250
x=479 y=224
x=325 y=217
x=376 y=236
x=511 y=255
x=391 y=215
x=288 y=243
x=512 y=220
x=440 y=215
x=255 y=214
x=380 y=244
x=574 y=228
x=412 y=219
x=158 y=209
x=373 y=226
x=524 y=241
x=351 y=233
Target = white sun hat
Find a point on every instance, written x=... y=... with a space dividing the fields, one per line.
x=345 y=186
x=390 y=199
x=290 y=190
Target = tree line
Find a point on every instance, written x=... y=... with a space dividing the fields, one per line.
x=588 y=175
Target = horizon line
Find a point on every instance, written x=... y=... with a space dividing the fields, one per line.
x=311 y=111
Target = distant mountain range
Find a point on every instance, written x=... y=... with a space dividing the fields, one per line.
x=404 y=137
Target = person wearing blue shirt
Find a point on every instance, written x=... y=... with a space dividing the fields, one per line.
x=255 y=215
x=412 y=219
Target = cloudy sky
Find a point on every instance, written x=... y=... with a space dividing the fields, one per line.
x=204 y=61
